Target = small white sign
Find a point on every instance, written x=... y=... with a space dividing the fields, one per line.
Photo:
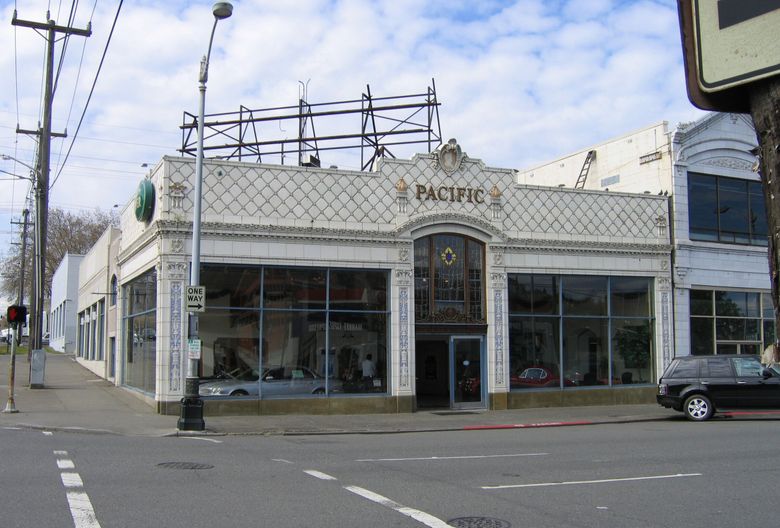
x=195 y=299
x=193 y=348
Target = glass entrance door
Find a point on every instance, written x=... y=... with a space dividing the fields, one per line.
x=467 y=368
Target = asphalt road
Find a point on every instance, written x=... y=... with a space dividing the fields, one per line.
x=670 y=473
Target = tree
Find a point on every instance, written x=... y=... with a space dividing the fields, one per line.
x=68 y=232
x=765 y=110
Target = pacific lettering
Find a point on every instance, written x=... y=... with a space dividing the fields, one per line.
x=449 y=194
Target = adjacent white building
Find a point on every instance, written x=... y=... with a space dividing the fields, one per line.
x=64 y=295
x=708 y=169
x=96 y=330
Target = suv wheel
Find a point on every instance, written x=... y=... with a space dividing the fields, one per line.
x=698 y=408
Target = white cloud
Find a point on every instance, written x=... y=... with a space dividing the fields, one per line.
x=519 y=81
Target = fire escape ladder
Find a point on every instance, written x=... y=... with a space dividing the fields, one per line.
x=585 y=168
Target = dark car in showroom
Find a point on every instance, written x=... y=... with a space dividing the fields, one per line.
x=699 y=386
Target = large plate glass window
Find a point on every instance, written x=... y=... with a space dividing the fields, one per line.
x=140 y=332
x=279 y=332
x=578 y=330
x=730 y=322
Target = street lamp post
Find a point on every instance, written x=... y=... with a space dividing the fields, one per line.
x=191 y=418
x=39 y=260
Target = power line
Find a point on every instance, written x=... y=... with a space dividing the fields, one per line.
x=65 y=41
x=89 y=97
x=75 y=84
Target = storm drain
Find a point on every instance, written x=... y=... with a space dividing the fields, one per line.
x=184 y=465
x=478 y=522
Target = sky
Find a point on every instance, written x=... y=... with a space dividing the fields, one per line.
x=519 y=82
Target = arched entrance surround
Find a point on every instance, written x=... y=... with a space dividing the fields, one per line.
x=450 y=316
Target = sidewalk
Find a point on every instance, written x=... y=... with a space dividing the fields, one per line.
x=74 y=399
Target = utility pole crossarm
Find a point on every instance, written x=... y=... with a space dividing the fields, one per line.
x=51 y=26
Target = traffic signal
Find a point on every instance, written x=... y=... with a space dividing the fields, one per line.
x=17 y=314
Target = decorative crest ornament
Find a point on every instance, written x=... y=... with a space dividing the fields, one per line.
x=449 y=156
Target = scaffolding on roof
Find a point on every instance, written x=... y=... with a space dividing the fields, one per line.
x=254 y=135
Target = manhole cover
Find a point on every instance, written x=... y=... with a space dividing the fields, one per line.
x=478 y=522
x=184 y=465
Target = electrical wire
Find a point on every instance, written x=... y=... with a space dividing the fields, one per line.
x=89 y=97
x=75 y=84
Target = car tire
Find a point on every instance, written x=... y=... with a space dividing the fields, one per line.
x=239 y=393
x=698 y=408
x=319 y=391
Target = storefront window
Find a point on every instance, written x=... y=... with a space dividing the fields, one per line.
x=585 y=351
x=358 y=290
x=736 y=322
x=632 y=342
x=584 y=295
x=231 y=287
x=229 y=348
x=535 y=352
x=317 y=332
x=359 y=355
x=141 y=332
x=293 y=363
x=294 y=288
x=570 y=336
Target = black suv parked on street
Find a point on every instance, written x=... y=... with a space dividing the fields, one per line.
x=700 y=385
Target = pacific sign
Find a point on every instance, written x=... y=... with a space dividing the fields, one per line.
x=449 y=194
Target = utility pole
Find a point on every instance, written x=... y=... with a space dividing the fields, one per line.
x=42 y=180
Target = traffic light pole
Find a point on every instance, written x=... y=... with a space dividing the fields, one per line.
x=10 y=407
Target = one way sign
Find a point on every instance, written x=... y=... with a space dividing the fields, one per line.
x=196 y=299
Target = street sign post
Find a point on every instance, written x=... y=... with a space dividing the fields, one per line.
x=195 y=299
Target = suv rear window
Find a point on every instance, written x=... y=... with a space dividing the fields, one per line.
x=716 y=368
x=686 y=369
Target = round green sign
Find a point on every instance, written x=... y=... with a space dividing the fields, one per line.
x=144 y=201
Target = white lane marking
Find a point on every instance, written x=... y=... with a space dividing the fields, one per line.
x=213 y=440
x=281 y=460
x=12 y=428
x=47 y=433
x=81 y=510
x=603 y=481
x=319 y=474
x=464 y=457
x=80 y=506
x=425 y=518
x=72 y=480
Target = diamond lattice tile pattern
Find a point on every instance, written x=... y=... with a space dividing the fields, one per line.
x=293 y=193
